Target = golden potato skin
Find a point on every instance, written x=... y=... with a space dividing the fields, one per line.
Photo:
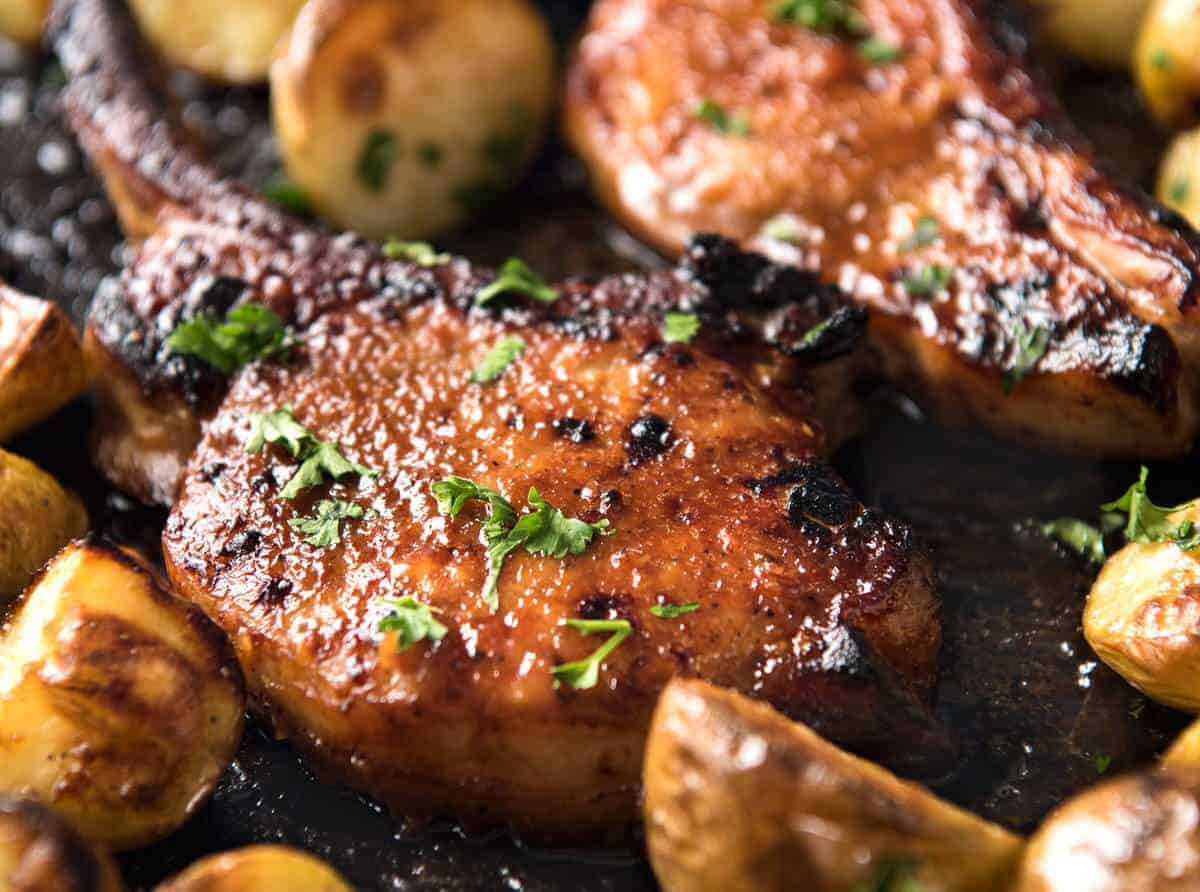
x=39 y=852
x=1139 y=833
x=740 y=798
x=1166 y=62
x=1142 y=618
x=120 y=705
x=21 y=20
x=27 y=491
x=222 y=40
x=1178 y=185
x=1101 y=32
x=1185 y=751
x=263 y=868
x=463 y=88
x=41 y=362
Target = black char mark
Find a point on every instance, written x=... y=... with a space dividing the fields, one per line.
x=577 y=430
x=649 y=437
x=817 y=494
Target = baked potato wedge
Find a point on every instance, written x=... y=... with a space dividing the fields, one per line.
x=1139 y=832
x=26 y=491
x=403 y=118
x=21 y=20
x=738 y=797
x=40 y=852
x=263 y=868
x=1102 y=33
x=41 y=361
x=1166 y=59
x=1142 y=617
x=223 y=41
x=120 y=705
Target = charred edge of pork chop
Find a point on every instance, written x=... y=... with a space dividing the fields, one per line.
x=1121 y=373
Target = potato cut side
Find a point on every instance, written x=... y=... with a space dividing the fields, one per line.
x=1139 y=833
x=40 y=852
x=41 y=362
x=120 y=705
x=1143 y=618
x=402 y=119
x=21 y=20
x=738 y=797
x=258 y=869
x=224 y=41
x=26 y=492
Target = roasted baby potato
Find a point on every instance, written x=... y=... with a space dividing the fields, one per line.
x=1178 y=184
x=26 y=491
x=22 y=20
x=1166 y=60
x=1102 y=33
x=1185 y=751
x=258 y=869
x=120 y=705
x=1140 y=832
x=41 y=361
x=402 y=118
x=740 y=798
x=224 y=41
x=1142 y=617
x=40 y=852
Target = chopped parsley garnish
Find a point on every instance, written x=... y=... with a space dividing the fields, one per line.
x=1161 y=59
x=680 y=328
x=545 y=530
x=379 y=153
x=412 y=621
x=1146 y=522
x=430 y=154
x=813 y=335
x=783 y=227
x=824 y=16
x=583 y=674
x=248 y=332
x=927 y=281
x=1101 y=762
x=877 y=51
x=893 y=875
x=515 y=277
x=719 y=119
x=499 y=358
x=420 y=253
x=322 y=529
x=319 y=459
x=1031 y=346
x=290 y=196
x=1077 y=535
x=671 y=611
x=1178 y=190
x=925 y=232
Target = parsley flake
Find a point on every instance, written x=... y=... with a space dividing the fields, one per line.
x=279 y=426
x=324 y=461
x=671 y=611
x=925 y=232
x=1077 y=535
x=1146 y=522
x=379 y=153
x=420 y=253
x=893 y=875
x=680 y=328
x=412 y=621
x=1031 y=344
x=715 y=115
x=927 y=281
x=823 y=16
x=430 y=154
x=1178 y=191
x=877 y=51
x=1101 y=762
x=322 y=529
x=498 y=359
x=1161 y=59
x=515 y=277
x=583 y=674
x=289 y=195
x=248 y=332
x=784 y=228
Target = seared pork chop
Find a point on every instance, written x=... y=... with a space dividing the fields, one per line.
x=703 y=457
x=910 y=156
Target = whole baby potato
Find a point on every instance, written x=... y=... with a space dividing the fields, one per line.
x=1166 y=61
x=264 y=868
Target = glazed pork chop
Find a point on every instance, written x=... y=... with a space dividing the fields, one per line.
x=720 y=544
x=905 y=151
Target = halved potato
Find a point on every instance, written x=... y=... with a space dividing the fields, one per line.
x=258 y=869
x=120 y=705
x=1142 y=618
x=738 y=797
x=22 y=20
x=403 y=118
x=1102 y=32
x=28 y=492
x=224 y=41
x=41 y=361
x=39 y=852
x=1166 y=61
x=1139 y=833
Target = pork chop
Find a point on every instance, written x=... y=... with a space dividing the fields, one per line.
x=721 y=546
x=903 y=148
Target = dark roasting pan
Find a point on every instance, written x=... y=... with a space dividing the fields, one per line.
x=1026 y=705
